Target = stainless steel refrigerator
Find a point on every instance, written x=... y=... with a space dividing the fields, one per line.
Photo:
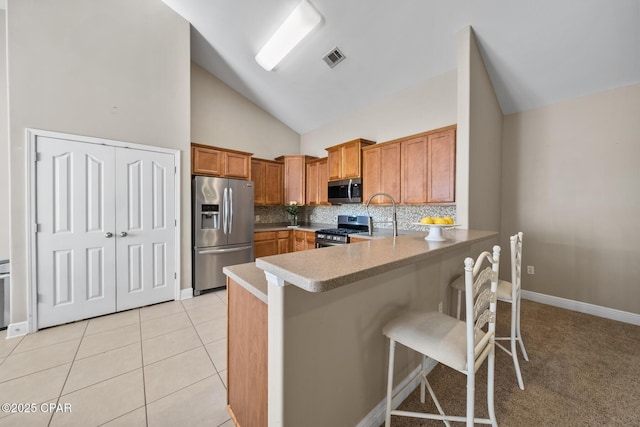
x=222 y=228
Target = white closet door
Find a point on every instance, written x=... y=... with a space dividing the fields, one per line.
x=145 y=228
x=75 y=214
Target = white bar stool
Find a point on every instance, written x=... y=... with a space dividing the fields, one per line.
x=508 y=292
x=463 y=346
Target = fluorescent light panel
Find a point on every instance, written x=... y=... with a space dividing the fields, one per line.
x=293 y=30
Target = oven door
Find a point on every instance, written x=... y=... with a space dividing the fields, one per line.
x=325 y=244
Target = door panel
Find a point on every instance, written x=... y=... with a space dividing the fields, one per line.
x=209 y=214
x=210 y=261
x=240 y=212
x=145 y=228
x=74 y=257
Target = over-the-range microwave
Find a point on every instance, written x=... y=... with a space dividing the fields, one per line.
x=345 y=191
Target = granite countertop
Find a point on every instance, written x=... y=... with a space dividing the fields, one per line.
x=249 y=277
x=378 y=233
x=337 y=266
x=285 y=226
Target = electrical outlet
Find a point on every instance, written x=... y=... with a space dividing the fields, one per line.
x=530 y=269
x=257 y=218
x=440 y=307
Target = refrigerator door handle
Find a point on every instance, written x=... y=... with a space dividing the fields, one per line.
x=225 y=209
x=220 y=251
x=230 y=209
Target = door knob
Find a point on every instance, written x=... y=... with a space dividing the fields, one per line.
x=108 y=234
x=123 y=234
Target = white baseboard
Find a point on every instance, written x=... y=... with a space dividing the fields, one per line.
x=15 y=330
x=377 y=415
x=186 y=293
x=583 y=307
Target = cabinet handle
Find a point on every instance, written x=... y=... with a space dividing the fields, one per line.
x=123 y=234
x=108 y=234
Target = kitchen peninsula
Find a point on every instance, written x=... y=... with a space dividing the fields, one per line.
x=323 y=311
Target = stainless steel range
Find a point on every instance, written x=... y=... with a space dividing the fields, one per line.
x=347 y=224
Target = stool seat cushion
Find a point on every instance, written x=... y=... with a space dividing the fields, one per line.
x=434 y=334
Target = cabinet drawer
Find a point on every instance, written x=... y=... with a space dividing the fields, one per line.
x=264 y=235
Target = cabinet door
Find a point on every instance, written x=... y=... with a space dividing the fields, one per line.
x=284 y=242
x=294 y=179
x=381 y=173
x=371 y=174
x=312 y=183
x=299 y=240
x=258 y=174
x=310 y=239
x=414 y=170
x=265 y=244
x=273 y=184
x=441 y=167
x=334 y=163
x=323 y=181
x=206 y=161
x=350 y=160
x=237 y=165
x=390 y=172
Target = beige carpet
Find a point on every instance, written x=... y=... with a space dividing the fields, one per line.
x=582 y=371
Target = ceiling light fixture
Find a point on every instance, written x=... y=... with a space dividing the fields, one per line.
x=293 y=30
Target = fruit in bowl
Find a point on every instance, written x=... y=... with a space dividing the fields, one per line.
x=426 y=220
x=437 y=220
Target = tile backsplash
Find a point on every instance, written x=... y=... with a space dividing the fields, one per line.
x=407 y=216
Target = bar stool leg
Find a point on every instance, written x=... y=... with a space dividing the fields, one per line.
x=524 y=352
x=392 y=350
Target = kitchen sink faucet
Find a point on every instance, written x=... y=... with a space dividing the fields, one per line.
x=394 y=219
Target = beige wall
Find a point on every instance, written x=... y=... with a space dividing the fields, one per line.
x=5 y=206
x=479 y=141
x=572 y=185
x=114 y=69
x=429 y=105
x=222 y=117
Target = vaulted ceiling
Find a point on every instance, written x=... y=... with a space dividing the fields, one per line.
x=537 y=52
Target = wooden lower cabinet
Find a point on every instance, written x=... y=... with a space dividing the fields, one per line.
x=357 y=240
x=303 y=240
x=267 y=243
x=247 y=347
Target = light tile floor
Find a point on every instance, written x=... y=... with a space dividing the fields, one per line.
x=163 y=365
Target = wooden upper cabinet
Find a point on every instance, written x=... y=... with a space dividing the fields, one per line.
x=214 y=161
x=267 y=176
x=206 y=161
x=428 y=167
x=237 y=165
x=317 y=188
x=345 y=160
x=295 y=184
x=414 y=170
x=274 y=183
x=441 y=167
x=417 y=169
x=381 y=172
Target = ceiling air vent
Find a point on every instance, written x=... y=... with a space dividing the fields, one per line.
x=333 y=57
